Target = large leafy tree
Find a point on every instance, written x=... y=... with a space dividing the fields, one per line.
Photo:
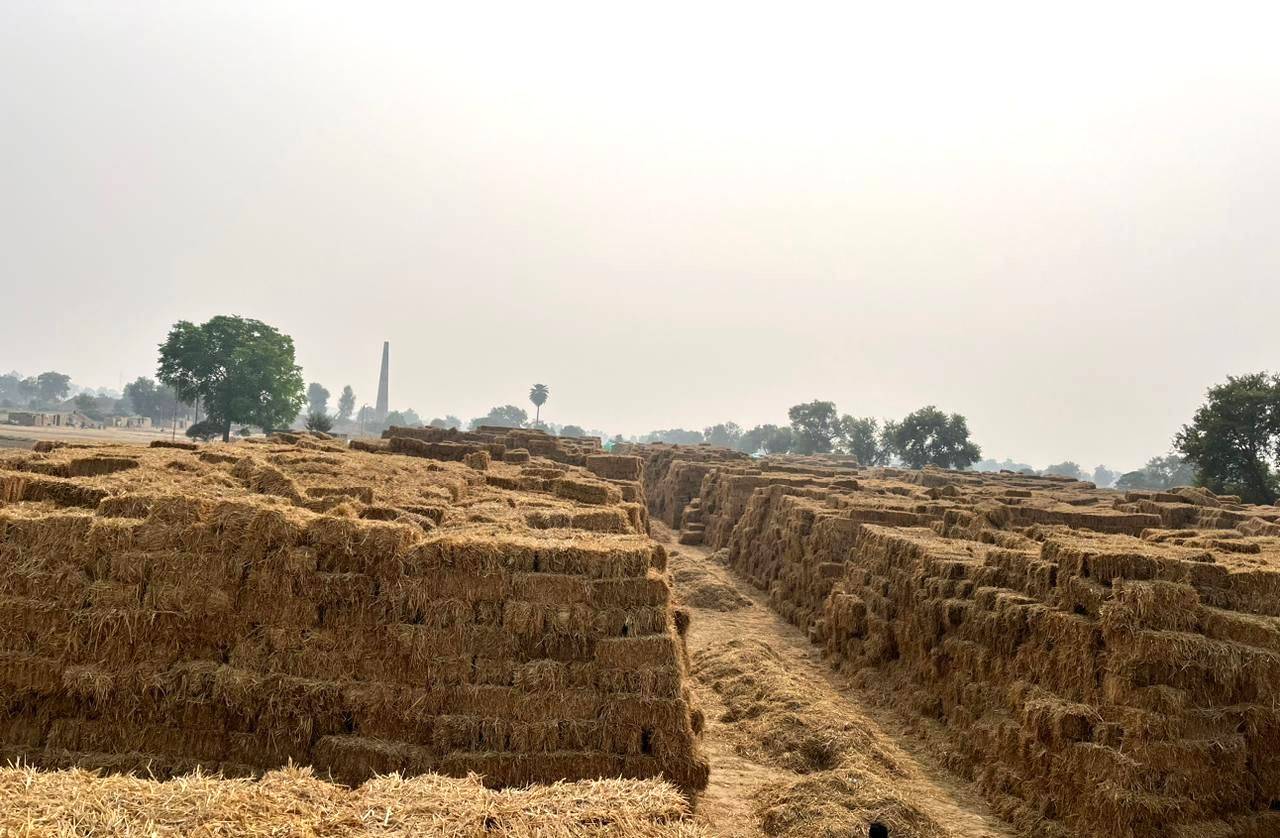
x=503 y=416
x=242 y=370
x=862 y=438
x=449 y=421
x=538 y=394
x=1158 y=473
x=156 y=401
x=1068 y=468
x=815 y=426
x=53 y=386
x=1234 y=438
x=724 y=435
x=780 y=440
x=317 y=398
x=930 y=437
x=346 y=404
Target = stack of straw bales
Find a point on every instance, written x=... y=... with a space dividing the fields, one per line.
x=241 y=606
x=1109 y=662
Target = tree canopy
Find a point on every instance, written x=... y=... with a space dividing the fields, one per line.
x=725 y=434
x=538 y=394
x=674 y=436
x=863 y=438
x=1234 y=438
x=53 y=386
x=449 y=421
x=502 y=416
x=346 y=404
x=317 y=398
x=930 y=437
x=815 y=427
x=242 y=370
x=1158 y=473
x=1065 y=469
x=322 y=422
x=158 y=402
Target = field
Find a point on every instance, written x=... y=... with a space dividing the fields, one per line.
x=462 y=634
x=20 y=437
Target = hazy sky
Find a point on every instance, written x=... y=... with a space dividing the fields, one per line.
x=1062 y=220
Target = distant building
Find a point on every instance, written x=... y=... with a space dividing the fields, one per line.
x=41 y=419
x=131 y=422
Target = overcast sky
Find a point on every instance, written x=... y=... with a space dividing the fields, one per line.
x=1064 y=225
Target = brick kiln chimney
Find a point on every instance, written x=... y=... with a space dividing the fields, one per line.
x=382 y=408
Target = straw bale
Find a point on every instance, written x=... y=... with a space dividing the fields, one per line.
x=30 y=673
x=515 y=455
x=217 y=605
x=586 y=491
x=615 y=466
x=165 y=443
x=364 y=494
x=16 y=488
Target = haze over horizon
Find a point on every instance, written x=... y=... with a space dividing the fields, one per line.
x=1062 y=227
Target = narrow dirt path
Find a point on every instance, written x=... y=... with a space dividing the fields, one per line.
x=727 y=806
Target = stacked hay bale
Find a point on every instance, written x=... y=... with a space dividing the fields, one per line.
x=673 y=475
x=1108 y=662
x=358 y=612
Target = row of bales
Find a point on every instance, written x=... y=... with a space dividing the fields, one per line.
x=1100 y=663
x=400 y=608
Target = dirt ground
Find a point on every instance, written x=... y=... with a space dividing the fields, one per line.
x=19 y=436
x=732 y=804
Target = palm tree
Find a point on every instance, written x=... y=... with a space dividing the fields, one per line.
x=538 y=394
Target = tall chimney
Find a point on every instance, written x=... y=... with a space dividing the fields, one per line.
x=382 y=408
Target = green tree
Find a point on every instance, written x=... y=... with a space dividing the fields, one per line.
x=752 y=441
x=862 y=438
x=1103 y=477
x=52 y=387
x=504 y=416
x=674 y=436
x=204 y=431
x=346 y=404
x=242 y=370
x=317 y=397
x=781 y=440
x=1159 y=473
x=449 y=421
x=573 y=431
x=724 y=435
x=321 y=422
x=538 y=394
x=1067 y=469
x=815 y=426
x=88 y=405
x=14 y=390
x=157 y=402
x=930 y=437
x=1234 y=438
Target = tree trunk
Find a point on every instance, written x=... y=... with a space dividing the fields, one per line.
x=226 y=430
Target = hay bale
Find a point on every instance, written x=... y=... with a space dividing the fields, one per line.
x=264 y=609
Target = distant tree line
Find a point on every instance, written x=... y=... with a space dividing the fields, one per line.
x=927 y=436
x=52 y=391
